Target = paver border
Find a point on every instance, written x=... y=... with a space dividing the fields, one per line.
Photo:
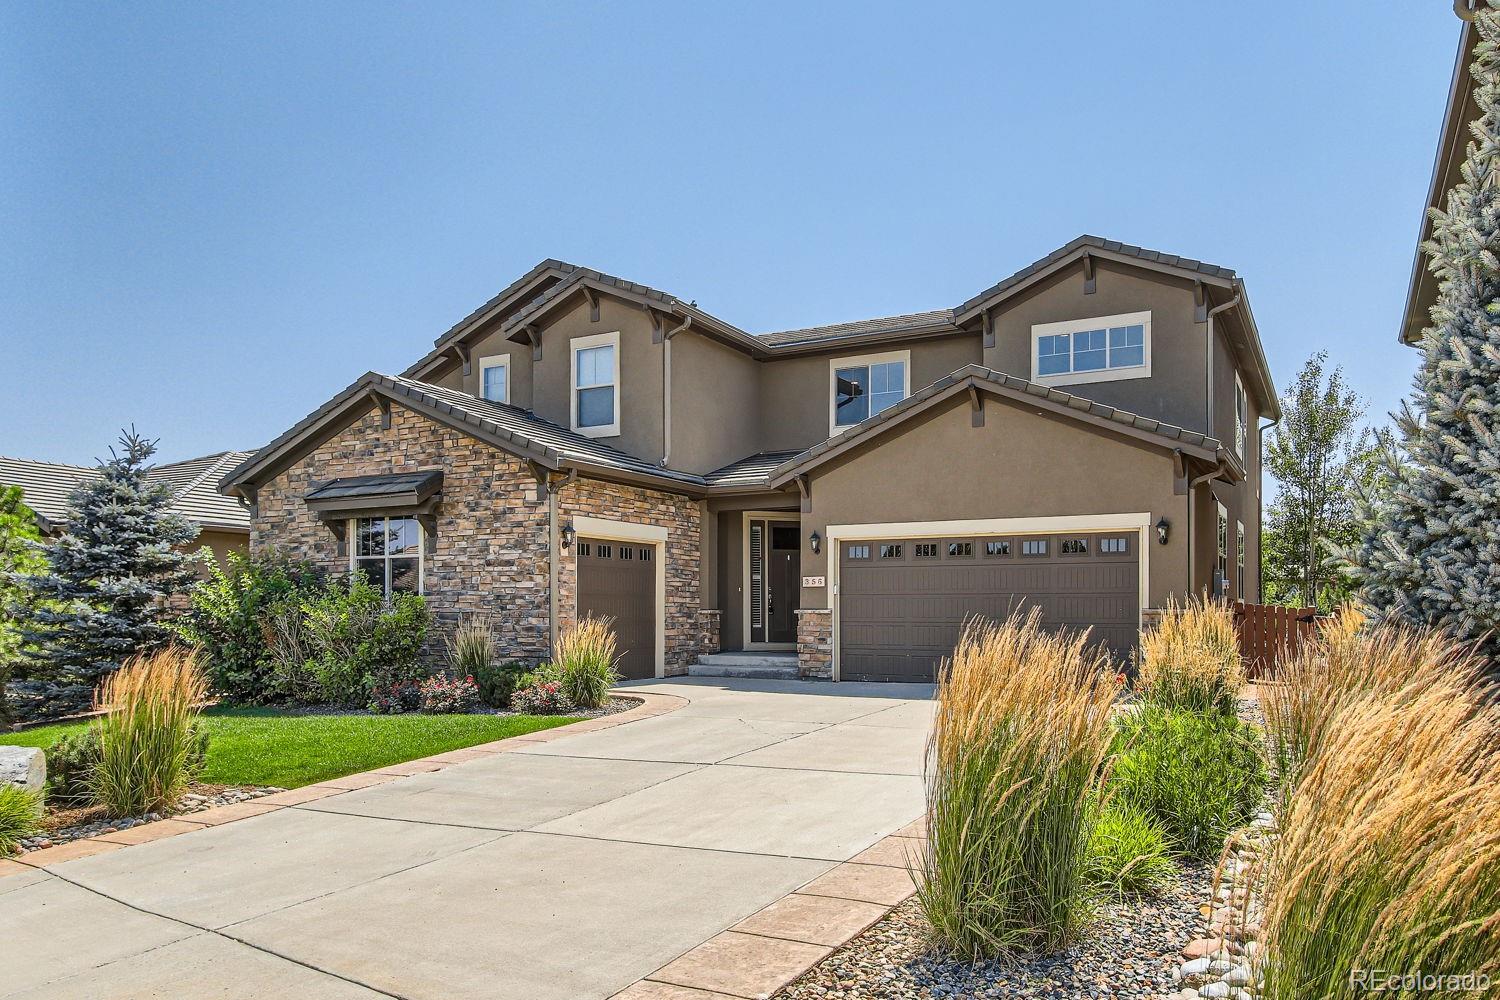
x=755 y=958
x=653 y=704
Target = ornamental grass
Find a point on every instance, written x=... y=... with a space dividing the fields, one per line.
x=1191 y=661
x=1389 y=854
x=586 y=656
x=1015 y=766
x=148 y=737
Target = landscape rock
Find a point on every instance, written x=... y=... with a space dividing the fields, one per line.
x=24 y=766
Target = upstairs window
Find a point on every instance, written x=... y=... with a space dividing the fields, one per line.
x=1241 y=416
x=862 y=387
x=1092 y=350
x=596 y=385
x=494 y=379
x=387 y=551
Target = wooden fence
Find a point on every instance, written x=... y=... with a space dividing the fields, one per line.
x=1268 y=633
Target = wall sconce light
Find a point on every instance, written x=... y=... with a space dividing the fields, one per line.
x=1163 y=529
x=817 y=542
x=567 y=536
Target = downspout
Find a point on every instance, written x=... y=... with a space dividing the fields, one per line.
x=666 y=389
x=1260 y=475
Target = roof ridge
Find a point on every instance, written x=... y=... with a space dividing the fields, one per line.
x=41 y=461
x=218 y=464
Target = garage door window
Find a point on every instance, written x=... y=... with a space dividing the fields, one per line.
x=1034 y=547
x=960 y=550
x=997 y=548
x=858 y=551
x=1074 y=547
x=1114 y=546
x=890 y=551
x=926 y=550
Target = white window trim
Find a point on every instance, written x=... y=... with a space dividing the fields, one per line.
x=1140 y=523
x=1221 y=547
x=1073 y=326
x=629 y=531
x=834 y=364
x=1239 y=560
x=352 y=534
x=1241 y=416
x=611 y=429
x=495 y=361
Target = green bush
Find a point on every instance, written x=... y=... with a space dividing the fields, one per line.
x=540 y=697
x=71 y=763
x=358 y=642
x=586 y=657
x=498 y=681
x=1201 y=775
x=229 y=620
x=1129 y=852
x=20 y=816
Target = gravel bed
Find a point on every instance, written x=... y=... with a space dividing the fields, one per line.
x=197 y=799
x=1130 y=950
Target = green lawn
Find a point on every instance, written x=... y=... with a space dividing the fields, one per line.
x=264 y=746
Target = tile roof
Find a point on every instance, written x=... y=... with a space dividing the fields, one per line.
x=45 y=487
x=748 y=472
x=861 y=328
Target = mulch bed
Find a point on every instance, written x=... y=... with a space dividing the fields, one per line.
x=1130 y=950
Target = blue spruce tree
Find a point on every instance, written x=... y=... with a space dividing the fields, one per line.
x=1430 y=550
x=104 y=593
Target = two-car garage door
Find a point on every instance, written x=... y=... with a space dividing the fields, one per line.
x=903 y=602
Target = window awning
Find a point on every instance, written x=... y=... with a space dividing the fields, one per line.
x=402 y=492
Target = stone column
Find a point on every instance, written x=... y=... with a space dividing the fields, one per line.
x=815 y=643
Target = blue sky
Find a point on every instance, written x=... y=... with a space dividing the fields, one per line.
x=216 y=217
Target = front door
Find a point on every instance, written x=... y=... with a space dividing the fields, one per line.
x=775 y=581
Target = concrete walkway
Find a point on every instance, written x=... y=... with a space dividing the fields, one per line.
x=568 y=869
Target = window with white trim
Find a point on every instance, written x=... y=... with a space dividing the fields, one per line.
x=1221 y=560
x=1239 y=560
x=387 y=551
x=595 y=400
x=1241 y=416
x=1101 y=349
x=494 y=379
x=864 y=386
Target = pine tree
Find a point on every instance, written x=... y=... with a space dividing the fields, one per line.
x=20 y=552
x=104 y=593
x=1430 y=551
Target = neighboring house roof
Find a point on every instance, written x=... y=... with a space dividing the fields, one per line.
x=45 y=487
x=1422 y=289
x=981 y=379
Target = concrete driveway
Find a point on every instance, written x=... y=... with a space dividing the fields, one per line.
x=566 y=870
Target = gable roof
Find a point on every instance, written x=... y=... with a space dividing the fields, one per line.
x=1453 y=137
x=509 y=428
x=45 y=487
x=1055 y=401
x=922 y=322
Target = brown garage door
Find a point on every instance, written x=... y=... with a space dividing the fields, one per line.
x=902 y=603
x=618 y=580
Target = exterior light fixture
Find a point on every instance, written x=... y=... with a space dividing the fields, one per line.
x=567 y=536
x=1163 y=529
x=817 y=542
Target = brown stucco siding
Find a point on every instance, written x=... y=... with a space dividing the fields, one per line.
x=220 y=544
x=1020 y=463
x=490 y=553
x=680 y=516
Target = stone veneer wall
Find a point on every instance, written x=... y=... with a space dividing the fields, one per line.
x=680 y=516
x=490 y=554
x=815 y=642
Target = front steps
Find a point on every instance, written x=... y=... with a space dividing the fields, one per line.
x=761 y=666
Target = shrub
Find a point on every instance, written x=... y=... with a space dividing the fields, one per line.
x=586 y=657
x=71 y=763
x=1200 y=775
x=1020 y=736
x=443 y=695
x=358 y=641
x=395 y=699
x=229 y=621
x=542 y=697
x=498 y=681
x=20 y=816
x=147 y=738
x=471 y=648
x=1129 y=852
x=1387 y=853
x=1191 y=660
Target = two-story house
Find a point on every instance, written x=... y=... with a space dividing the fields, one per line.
x=1084 y=437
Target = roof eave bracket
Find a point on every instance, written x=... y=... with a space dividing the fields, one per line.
x=384 y=405
x=976 y=406
x=1090 y=282
x=1200 y=302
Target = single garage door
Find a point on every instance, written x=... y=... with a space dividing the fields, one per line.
x=903 y=602
x=618 y=580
